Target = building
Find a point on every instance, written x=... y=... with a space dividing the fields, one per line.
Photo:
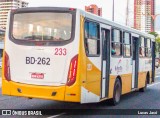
x=5 y=6
x=94 y=9
x=144 y=10
x=2 y=34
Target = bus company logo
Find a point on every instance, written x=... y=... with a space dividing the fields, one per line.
x=118 y=68
x=37 y=75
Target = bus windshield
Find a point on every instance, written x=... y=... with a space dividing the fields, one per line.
x=42 y=26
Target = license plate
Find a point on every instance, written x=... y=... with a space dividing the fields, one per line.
x=37 y=75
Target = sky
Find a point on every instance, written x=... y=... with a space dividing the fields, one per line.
x=106 y=5
x=157 y=20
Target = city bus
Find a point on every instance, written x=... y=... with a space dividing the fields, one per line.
x=67 y=54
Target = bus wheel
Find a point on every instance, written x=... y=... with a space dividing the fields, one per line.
x=116 y=93
x=145 y=87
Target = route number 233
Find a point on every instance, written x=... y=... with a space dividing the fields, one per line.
x=60 y=51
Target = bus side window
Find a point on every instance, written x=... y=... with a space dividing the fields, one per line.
x=1 y=53
x=148 y=47
x=127 y=44
x=141 y=47
x=92 y=40
x=116 y=43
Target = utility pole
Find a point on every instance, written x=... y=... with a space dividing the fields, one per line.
x=113 y=11
x=127 y=13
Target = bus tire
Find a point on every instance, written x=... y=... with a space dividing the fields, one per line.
x=145 y=87
x=116 y=92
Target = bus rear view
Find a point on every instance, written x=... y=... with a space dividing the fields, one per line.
x=39 y=60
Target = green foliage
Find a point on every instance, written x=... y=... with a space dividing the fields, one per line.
x=154 y=33
x=157 y=40
x=158 y=44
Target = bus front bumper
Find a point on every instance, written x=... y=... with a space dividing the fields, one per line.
x=33 y=91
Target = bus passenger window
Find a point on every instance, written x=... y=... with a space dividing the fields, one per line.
x=92 y=42
x=116 y=43
x=113 y=51
x=148 y=48
x=141 y=47
x=1 y=53
x=86 y=27
x=127 y=44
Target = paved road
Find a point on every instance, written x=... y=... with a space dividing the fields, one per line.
x=135 y=100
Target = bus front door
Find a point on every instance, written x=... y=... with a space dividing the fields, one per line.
x=105 y=36
x=135 y=62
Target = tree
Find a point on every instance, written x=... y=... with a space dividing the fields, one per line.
x=157 y=40
x=158 y=44
x=154 y=33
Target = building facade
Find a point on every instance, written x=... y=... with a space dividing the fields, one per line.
x=144 y=11
x=94 y=9
x=6 y=6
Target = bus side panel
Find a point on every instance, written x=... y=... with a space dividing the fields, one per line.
x=126 y=83
x=141 y=73
x=144 y=67
x=91 y=87
x=89 y=74
x=141 y=79
x=93 y=83
x=125 y=74
x=121 y=67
